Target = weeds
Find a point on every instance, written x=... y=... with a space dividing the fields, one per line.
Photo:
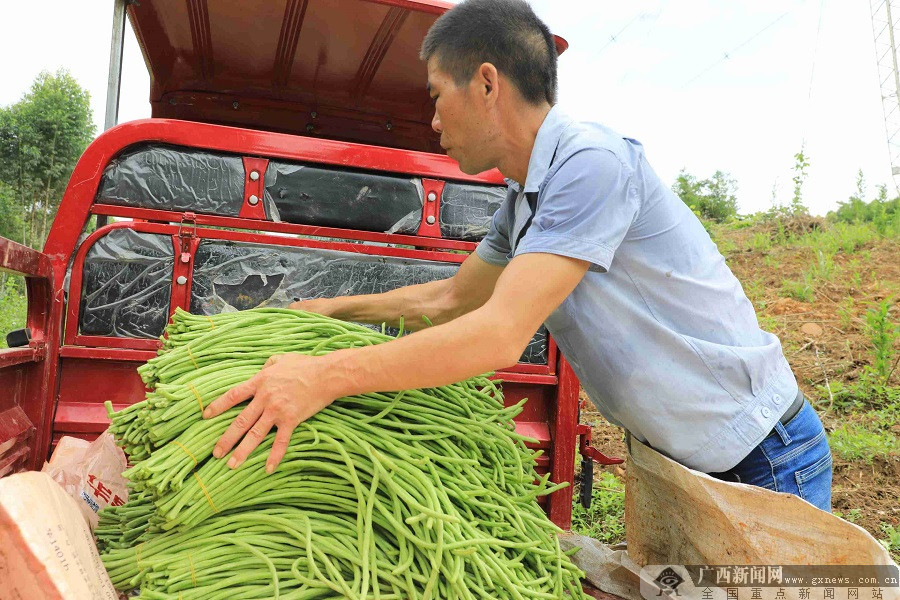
x=605 y=519
x=768 y=323
x=761 y=241
x=852 y=515
x=892 y=542
x=801 y=163
x=882 y=333
x=799 y=289
x=855 y=274
x=852 y=441
x=755 y=291
x=873 y=387
x=823 y=268
x=845 y=312
x=13 y=307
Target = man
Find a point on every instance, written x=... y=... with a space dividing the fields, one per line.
x=588 y=241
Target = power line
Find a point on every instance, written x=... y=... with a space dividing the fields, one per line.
x=726 y=55
x=614 y=38
x=812 y=69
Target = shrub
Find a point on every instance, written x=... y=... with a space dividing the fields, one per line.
x=882 y=213
x=712 y=198
x=873 y=387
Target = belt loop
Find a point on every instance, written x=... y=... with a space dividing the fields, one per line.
x=782 y=433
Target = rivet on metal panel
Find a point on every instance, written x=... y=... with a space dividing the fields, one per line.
x=181 y=280
x=432 y=196
x=235 y=105
x=314 y=114
x=254 y=175
x=430 y=220
x=185 y=257
x=173 y=101
x=253 y=200
x=310 y=127
x=389 y=125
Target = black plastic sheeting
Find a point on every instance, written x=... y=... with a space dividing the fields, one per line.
x=326 y=197
x=467 y=209
x=127 y=285
x=232 y=276
x=190 y=180
x=170 y=178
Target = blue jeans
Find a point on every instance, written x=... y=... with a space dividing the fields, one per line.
x=794 y=458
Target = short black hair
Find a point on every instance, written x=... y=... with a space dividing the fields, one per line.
x=505 y=33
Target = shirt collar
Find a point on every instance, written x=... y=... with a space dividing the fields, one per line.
x=542 y=153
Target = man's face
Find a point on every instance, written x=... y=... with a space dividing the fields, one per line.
x=461 y=117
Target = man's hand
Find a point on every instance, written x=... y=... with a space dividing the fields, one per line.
x=286 y=392
x=322 y=306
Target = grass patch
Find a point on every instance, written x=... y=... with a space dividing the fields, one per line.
x=839 y=237
x=892 y=541
x=605 y=519
x=768 y=323
x=13 y=307
x=854 y=442
x=761 y=241
x=852 y=515
x=799 y=289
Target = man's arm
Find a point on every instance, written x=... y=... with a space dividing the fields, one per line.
x=441 y=301
x=294 y=387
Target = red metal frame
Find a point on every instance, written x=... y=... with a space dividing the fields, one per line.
x=82 y=189
x=431 y=209
x=166 y=216
x=253 y=207
x=181 y=292
x=10 y=357
x=555 y=428
x=29 y=372
x=127 y=354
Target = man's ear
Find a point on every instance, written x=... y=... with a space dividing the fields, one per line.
x=488 y=80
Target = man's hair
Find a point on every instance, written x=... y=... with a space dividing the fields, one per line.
x=505 y=33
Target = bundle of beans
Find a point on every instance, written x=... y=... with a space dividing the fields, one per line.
x=417 y=494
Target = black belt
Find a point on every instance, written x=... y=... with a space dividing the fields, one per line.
x=793 y=409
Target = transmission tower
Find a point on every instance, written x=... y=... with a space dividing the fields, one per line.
x=884 y=16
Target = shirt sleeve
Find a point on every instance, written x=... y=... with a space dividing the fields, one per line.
x=585 y=210
x=494 y=248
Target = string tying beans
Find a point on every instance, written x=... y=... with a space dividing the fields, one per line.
x=421 y=494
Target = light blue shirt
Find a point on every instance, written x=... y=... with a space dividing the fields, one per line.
x=659 y=331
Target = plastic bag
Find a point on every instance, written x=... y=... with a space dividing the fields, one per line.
x=90 y=472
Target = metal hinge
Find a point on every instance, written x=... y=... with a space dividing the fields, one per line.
x=590 y=456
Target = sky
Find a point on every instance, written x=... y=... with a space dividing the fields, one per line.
x=704 y=85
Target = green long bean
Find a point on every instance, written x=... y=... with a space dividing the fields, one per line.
x=420 y=494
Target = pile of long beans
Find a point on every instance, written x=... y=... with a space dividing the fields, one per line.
x=417 y=494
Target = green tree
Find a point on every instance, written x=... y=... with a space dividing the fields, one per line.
x=712 y=198
x=41 y=138
x=10 y=214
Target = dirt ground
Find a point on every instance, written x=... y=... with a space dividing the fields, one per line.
x=824 y=338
